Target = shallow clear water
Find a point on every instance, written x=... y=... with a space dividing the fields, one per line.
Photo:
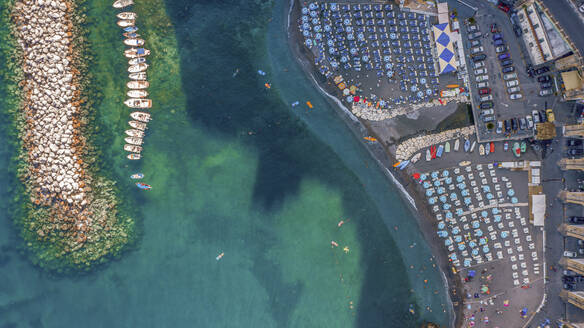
x=234 y=169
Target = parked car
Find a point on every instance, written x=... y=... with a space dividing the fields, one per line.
x=574 y=152
x=516 y=89
x=504 y=56
x=499 y=127
x=487 y=98
x=535 y=114
x=507 y=62
x=475 y=43
x=500 y=49
x=478 y=64
x=544 y=78
x=479 y=57
x=508 y=69
x=550 y=115
x=486 y=105
x=483 y=84
x=487 y=119
x=512 y=83
x=570 y=254
x=484 y=91
x=499 y=42
x=510 y=76
x=507 y=126
x=529 y=121
x=568 y=286
x=574 y=142
x=522 y=124
x=497 y=36
x=480 y=71
x=546 y=85
x=541 y=70
x=570 y=273
x=542 y=116
x=576 y=219
x=476 y=50
x=546 y=92
x=472 y=28
x=505 y=8
x=515 y=96
x=474 y=35
x=481 y=78
x=487 y=112
x=494 y=28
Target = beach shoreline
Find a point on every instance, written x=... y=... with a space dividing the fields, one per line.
x=384 y=158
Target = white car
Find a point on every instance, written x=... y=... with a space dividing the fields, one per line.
x=581 y=8
x=570 y=254
x=484 y=84
x=472 y=28
x=514 y=90
x=480 y=71
x=515 y=96
x=478 y=64
x=499 y=126
x=486 y=98
x=510 y=76
x=529 y=121
x=486 y=112
x=481 y=78
x=476 y=50
x=475 y=43
x=500 y=49
x=512 y=83
x=535 y=115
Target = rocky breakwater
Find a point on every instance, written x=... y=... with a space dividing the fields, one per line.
x=407 y=148
x=70 y=218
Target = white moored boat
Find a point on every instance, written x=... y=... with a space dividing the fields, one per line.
x=140 y=116
x=135 y=133
x=138 y=76
x=134 y=42
x=137 y=93
x=138 y=68
x=127 y=15
x=132 y=148
x=138 y=125
x=138 y=103
x=126 y=23
x=136 y=61
x=136 y=52
x=133 y=140
x=122 y=3
x=134 y=156
x=138 y=84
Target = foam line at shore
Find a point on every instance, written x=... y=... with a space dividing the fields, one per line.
x=400 y=187
x=289 y=15
x=336 y=100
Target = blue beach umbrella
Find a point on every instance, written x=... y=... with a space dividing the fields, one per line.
x=386 y=59
x=486 y=189
x=475 y=252
x=455 y=230
x=453 y=196
x=459 y=178
x=489 y=196
x=459 y=211
x=445 y=173
x=467 y=200
x=413 y=88
x=306 y=33
x=504 y=234
x=327 y=28
x=429 y=192
x=392 y=36
x=304 y=10
x=306 y=26
x=464 y=192
x=453 y=257
x=423 y=80
x=308 y=42
x=313 y=14
x=420 y=94
x=514 y=200
x=510 y=192
x=434 y=174
x=479 y=233
x=334 y=64
x=495 y=211
x=441 y=225
x=427 y=184
x=485 y=249
x=317 y=28
x=472 y=244
x=497 y=218
x=442 y=233
x=349 y=99
x=344 y=59
x=484 y=214
x=448 y=180
x=312 y=6
x=389 y=74
x=475 y=224
x=354 y=51
x=318 y=36
x=331 y=51
x=305 y=19
x=448 y=242
x=432 y=201
x=436 y=183
x=441 y=190
x=448 y=215
x=423 y=177
x=467 y=264
x=428 y=91
x=334 y=7
x=461 y=247
x=361 y=36
x=458 y=239
x=482 y=241
x=349 y=29
x=388 y=66
x=347 y=21
x=365 y=58
x=446 y=206
x=443 y=199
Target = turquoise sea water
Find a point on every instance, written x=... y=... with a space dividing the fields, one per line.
x=238 y=171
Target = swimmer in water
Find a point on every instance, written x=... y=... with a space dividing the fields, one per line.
x=340 y=223
x=220 y=256
x=334 y=244
x=236 y=72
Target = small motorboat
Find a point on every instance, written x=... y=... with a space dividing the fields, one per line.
x=370 y=139
x=440 y=151
x=482 y=150
x=487 y=150
x=138 y=103
x=466 y=145
x=126 y=23
x=126 y=15
x=267 y=85
x=137 y=84
x=136 y=52
x=309 y=104
x=143 y=186
x=137 y=176
x=133 y=148
x=472 y=148
x=416 y=158
x=136 y=61
x=457 y=145
x=131 y=35
x=138 y=125
x=492 y=147
x=433 y=151
x=130 y=29
x=138 y=68
x=122 y=3
x=135 y=133
x=506 y=146
x=464 y=163
x=137 y=93
x=138 y=76
x=404 y=164
x=134 y=42
x=134 y=157
x=523 y=146
x=296 y=103
x=140 y=116
x=428 y=155
x=134 y=140
x=447 y=147
x=516 y=149
x=396 y=164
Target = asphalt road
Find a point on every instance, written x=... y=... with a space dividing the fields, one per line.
x=569 y=19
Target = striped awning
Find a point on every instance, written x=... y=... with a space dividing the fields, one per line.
x=444 y=47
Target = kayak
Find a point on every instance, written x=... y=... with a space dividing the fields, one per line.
x=137 y=176
x=143 y=186
x=403 y=164
x=523 y=146
x=487 y=150
x=294 y=104
x=433 y=151
x=416 y=157
x=428 y=155
x=397 y=164
x=440 y=151
x=472 y=148
x=369 y=138
x=309 y=104
x=466 y=145
x=482 y=150
x=492 y=147
x=130 y=29
x=262 y=73
x=456 y=144
x=447 y=147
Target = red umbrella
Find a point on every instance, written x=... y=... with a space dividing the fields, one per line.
x=356 y=99
x=416 y=176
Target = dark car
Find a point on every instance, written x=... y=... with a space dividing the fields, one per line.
x=576 y=219
x=514 y=124
x=542 y=116
x=507 y=62
x=484 y=91
x=497 y=36
x=575 y=152
x=486 y=105
x=541 y=70
x=544 y=78
x=508 y=69
x=573 y=142
x=499 y=42
x=504 y=56
x=546 y=85
x=507 y=126
x=477 y=58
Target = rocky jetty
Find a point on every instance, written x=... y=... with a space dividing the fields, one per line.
x=409 y=147
x=72 y=213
